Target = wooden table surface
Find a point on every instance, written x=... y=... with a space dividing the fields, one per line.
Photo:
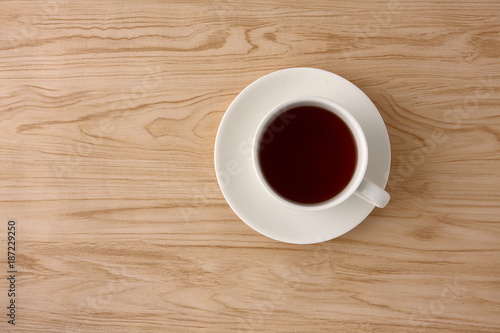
x=108 y=117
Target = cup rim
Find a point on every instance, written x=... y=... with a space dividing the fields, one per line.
x=352 y=124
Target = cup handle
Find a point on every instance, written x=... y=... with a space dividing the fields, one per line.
x=373 y=194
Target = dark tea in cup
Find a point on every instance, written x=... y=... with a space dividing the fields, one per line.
x=307 y=154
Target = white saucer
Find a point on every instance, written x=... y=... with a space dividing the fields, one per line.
x=238 y=179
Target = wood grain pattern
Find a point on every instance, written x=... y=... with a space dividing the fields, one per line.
x=108 y=116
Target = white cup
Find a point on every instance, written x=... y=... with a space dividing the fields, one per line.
x=358 y=185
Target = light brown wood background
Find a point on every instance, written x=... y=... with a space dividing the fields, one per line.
x=108 y=116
